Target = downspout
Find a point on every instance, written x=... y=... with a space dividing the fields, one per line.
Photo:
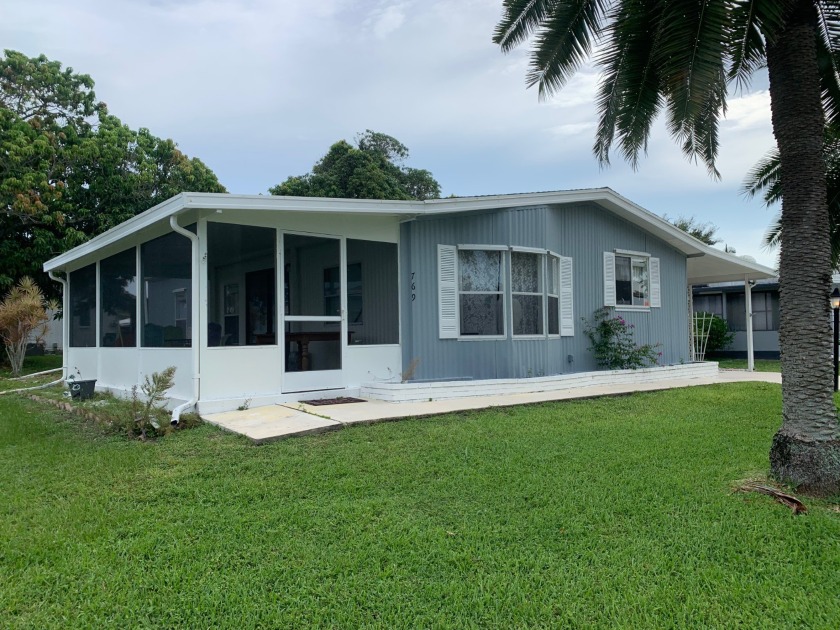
x=65 y=322
x=196 y=338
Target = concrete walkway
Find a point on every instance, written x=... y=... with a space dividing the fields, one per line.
x=273 y=422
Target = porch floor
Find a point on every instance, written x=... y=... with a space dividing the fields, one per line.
x=273 y=422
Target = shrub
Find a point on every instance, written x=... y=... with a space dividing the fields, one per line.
x=720 y=337
x=613 y=344
x=23 y=318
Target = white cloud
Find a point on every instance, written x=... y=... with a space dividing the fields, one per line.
x=387 y=19
x=259 y=89
x=750 y=111
x=572 y=129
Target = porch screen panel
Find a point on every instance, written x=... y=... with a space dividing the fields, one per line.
x=241 y=285
x=83 y=307
x=118 y=299
x=372 y=293
x=166 y=312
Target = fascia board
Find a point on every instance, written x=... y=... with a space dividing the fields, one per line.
x=224 y=201
x=132 y=225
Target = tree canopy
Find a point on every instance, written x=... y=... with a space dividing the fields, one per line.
x=679 y=59
x=705 y=232
x=372 y=169
x=70 y=170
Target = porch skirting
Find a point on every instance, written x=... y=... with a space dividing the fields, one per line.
x=443 y=390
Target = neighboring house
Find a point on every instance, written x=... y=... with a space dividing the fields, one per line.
x=271 y=298
x=728 y=301
x=52 y=342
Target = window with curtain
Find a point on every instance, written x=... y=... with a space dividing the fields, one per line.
x=481 y=292
x=526 y=271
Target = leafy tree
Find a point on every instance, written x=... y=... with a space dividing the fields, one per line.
x=69 y=170
x=39 y=89
x=372 y=169
x=679 y=58
x=705 y=232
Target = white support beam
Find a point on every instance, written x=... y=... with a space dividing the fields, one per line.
x=748 y=302
x=691 y=352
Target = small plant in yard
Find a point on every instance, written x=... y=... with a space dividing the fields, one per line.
x=146 y=414
x=720 y=337
x=23 y=319
x=613 y=344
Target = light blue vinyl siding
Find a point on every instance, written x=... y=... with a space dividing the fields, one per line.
x=582 y=232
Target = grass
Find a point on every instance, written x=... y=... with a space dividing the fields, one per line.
x=30 y=366
x=33 y=364
x=761 y=365
x=613 y=512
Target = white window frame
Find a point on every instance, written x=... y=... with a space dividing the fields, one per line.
x=449 y=292
x=541 y=280
x=502 y=249
x=654 y=290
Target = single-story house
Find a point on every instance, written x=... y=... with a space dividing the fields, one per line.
x=268 y=299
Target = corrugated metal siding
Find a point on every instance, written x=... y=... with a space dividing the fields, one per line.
x=583 y=232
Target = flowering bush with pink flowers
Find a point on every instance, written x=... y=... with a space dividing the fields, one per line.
x=613 y=344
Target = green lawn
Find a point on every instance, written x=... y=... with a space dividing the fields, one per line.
x=761 y=365
x=614 y=512
x=31 y=364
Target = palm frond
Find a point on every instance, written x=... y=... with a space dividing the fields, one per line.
x=746 y=44
x=693 y=56
x=828 y=58
x=563 y=43
x=629 y=96
x=520 y=19
x=773 y=235
x=764 y=178
x=706 y=127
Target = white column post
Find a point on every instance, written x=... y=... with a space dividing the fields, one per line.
x=748 y=302
x=691 y=353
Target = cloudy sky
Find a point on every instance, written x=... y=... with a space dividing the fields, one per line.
x=259 y=89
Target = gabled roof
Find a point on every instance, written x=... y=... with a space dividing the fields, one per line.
x=705 y=264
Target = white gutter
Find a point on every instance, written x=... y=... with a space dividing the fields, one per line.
x=196 y=337
x=65 y=322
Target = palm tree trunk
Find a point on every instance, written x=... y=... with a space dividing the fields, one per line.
x=806 y=450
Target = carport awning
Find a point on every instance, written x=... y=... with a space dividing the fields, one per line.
x=716 y=266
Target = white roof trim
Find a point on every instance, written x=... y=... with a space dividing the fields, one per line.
x=719 y=263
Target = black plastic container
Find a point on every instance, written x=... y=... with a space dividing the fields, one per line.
x=83 y=390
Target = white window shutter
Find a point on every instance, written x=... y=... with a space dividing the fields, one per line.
x=447 y=292
x=655 y=287
x=609 y=279
x=567 y=313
